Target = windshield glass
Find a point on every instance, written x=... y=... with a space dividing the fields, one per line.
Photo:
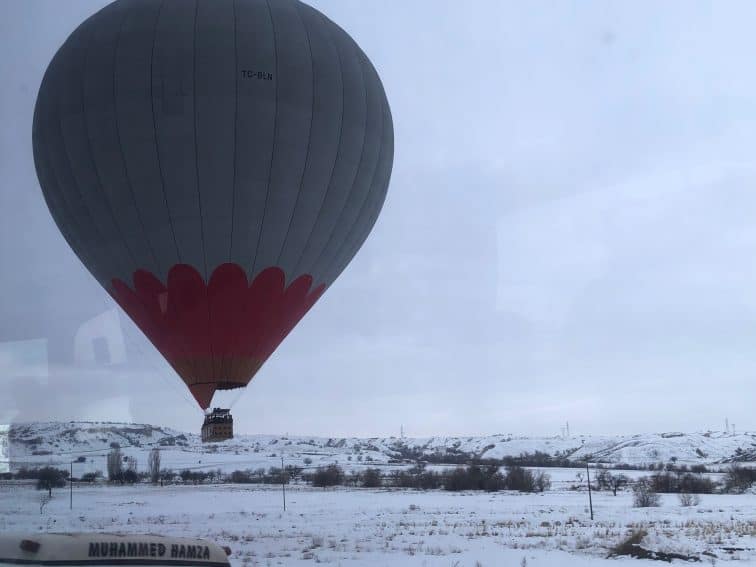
x=380 y=283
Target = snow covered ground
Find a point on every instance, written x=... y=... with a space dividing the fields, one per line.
x=396 y=527
x=381 y=526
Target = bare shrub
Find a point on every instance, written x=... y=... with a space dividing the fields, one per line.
x=91 y=476
x=371 y=478
x=644 y=495
x=331 y=475
x=688 y=499
x=417 y=477
x=475 y=477
x=542 y=481
x=629 y=545
x=521 y=479
x=739 y=479
x=696 y=483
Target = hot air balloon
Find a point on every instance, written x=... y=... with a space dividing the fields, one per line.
x=215 y=164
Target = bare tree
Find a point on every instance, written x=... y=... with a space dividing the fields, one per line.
x=153 y=462
x=617 y=481
x=115 y=464
x=50 y=478
x=605 y=480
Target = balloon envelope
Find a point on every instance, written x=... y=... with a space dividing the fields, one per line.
x=215 y=164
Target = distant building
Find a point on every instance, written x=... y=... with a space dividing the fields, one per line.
x=218 y=426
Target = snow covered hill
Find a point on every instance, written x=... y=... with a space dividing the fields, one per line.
x=87 y=444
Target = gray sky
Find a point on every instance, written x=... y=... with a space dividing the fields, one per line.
x=568 y=235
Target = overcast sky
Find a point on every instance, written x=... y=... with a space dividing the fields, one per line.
x=569 y=235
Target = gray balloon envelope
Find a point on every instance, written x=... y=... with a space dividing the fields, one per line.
x=215 y=164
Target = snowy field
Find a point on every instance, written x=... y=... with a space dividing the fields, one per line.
x=397 y=527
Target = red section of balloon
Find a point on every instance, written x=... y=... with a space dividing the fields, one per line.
x=216 y=335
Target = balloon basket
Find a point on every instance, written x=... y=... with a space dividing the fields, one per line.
x=218 y=426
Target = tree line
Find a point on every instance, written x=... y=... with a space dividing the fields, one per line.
x=483 y=475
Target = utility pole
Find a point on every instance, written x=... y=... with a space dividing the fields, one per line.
x=590 y=499
x=70 y=480
x=283 y=483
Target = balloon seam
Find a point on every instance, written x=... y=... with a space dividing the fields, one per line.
x=309 y=141
x=273 y=142
x=155 y=135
